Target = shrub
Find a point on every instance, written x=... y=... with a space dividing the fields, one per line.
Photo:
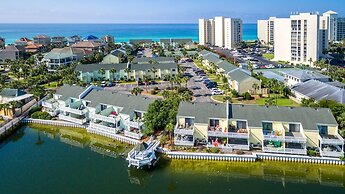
x=41 y=115
x=247 y=96
x=234 y=93
x=35 y=109
x=154 y=92
x=214 y=150
x=311 y=153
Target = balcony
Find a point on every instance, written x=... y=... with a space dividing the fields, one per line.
x=184 y=131
x=269 y=136
x=217 y=134
x=282 y=150
x=47 y=104
x=101 y=127
x=295 y=137
x=332 y=154
x=134 y=124
x=183 y=143
x=74 y=111
x=331 y=139
x=133 y=135
x=72 y=119
x=109 y=119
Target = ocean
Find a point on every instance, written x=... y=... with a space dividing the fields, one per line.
x=121 y=32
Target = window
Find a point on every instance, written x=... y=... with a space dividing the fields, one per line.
x=241 y=124
x=323 y=129
x=294 y=127
x=214 y=122
x=267 y=126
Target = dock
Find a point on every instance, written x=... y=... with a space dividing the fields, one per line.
x=143 y=154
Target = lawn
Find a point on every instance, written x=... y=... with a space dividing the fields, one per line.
x=219 y=98
x=51 y=85
x=280 y=102
x=268 y=56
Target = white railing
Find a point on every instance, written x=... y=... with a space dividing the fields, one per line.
x=134 y=124
x=338 y=141
x=73 y=120
x=133 y=135
x=72 y=110
x=273 y=138
x=103 y=118
x=228 y=134
x=334 y=154
x=239 y=147
x=273 y=150
x=183 y=143
x=47 y=104
x=184 y=131
x=295 y=139
x=103 y=128
x=285 y=150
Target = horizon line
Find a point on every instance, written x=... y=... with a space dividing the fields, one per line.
x=103 y=23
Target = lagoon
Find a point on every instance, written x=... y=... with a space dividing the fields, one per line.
x=51 y=160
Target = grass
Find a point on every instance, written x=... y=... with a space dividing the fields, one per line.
x=51 y=85
x=268 y=56
x=281 y=101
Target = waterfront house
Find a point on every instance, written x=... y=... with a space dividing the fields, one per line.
x=59 y=41
x=92 y=38
x=141 y=42
x=23 y=41
x=42 y=39
x=272 y=129
x=11 y=52
x=314 y=89
x=8 y=95
x=63 y=56
x=293 y=77
x=124 y=71
x=74 y=39
x=154 y=60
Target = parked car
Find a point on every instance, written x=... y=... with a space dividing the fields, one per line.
x=103 y=83
x=189 y=60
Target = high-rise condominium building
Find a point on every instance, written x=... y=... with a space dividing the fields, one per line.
x=266 y=31
x=223 y=32
x=330 y=19
x=206 y=32
x=299 y=39
x=340 y=29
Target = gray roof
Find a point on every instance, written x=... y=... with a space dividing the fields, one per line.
x=212 y=58
x=139 y=41
x=320 y=91
x=127 y=101
x=305 y=74
x=154 y=59
x=239 y=75
x=206 y=52
x=337 y=84
x=67 y=91
x=61 y=53
x=226 y=66
x=117 y=52
x=122 y=66
x=255 y=114
x=308 y=117
x=202 y=111
x=8 y=92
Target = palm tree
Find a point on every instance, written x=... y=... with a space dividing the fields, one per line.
x=146 y=80
x=102 y=72
x=170 y=128
x=136 y=91
x=154 y=71
x=130 y=58
x=186 y=96
x=113 y=71
x=310 y=61
x=127 y=71
x=227 y=98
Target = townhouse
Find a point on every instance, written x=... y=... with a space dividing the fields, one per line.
x=271 y=129
x=125 y=71
x=102 y=112
x=63 y=56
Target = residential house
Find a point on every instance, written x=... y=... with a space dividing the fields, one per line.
x=317 y=90
x=203 y=53
x=42 y=39
x=59 y=41
x=74 y=39
x=8 y=95
x=92 y=38
x=23 y=41
x=123 y=71
x=176 y=43
x=88 y=45
x=281 y=130
x=191 y=46
x=35 y=48
x=153 y=60
x=293 y=77
x=63 y=57
x=142 y=42
x=115 y=56
x=109 y=39
x=11 y=52
x=241 y=81
x=211 y=60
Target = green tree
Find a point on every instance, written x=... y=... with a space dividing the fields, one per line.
x=113 y=71
x=136 y=91
x=102 y=72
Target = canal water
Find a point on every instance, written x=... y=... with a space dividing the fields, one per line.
x=57 y=161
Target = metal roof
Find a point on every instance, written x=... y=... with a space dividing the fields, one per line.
x=122 y=66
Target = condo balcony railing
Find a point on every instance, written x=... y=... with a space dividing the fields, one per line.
x=184 y=131
x=74 y=111
x=271 y=137
x=333 y=154
x=101 y=127
x=294 y=139
x=282 y=150
x=228 y=134
x=72 y=119
x=183 y=143
x=133 y=135
x=47 y=104
x=134 y=124
x=109 y=119
x=334 y=140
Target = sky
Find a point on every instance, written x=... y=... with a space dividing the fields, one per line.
x=155 y=11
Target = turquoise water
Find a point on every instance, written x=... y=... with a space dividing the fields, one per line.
x=122 y=32
x=52 y=166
